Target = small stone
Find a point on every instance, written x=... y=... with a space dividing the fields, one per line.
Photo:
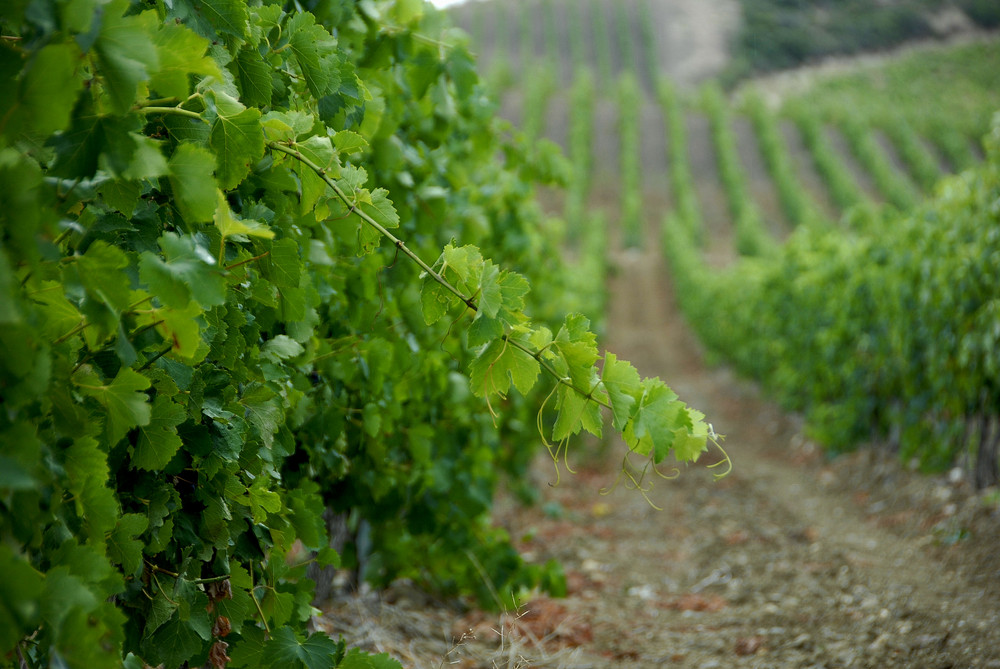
x=879 y=644
x=801 y=641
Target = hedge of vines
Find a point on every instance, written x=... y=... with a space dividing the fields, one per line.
x=885 y=332
x=221 y=316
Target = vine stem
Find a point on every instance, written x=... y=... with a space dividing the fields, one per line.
x=382 y=230
x=401 y=245
x=178 y=111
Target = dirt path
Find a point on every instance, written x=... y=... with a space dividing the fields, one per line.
x=781 y=564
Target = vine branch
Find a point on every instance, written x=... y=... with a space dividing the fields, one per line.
x=321 y=172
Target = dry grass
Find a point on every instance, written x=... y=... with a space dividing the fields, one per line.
x=422 y=632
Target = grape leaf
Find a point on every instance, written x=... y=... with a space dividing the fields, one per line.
x=484 y=330
x=180 y=327
x=173 y=644
x=285 y=263
x=146 y=161
x=227 y=16
x=123 y=548
x=101 y=271
x=285 y=648
x=191 y=169
x=126 y=52
x=253 y=78
x=499 y=365
x=49 y=89
x=87 y=470
x=282 y=347
x=238 y=142
x=229 y=225
x=263 y=412
x=20 y=589
x=651 y=430
x=622 y=382
x=158 y=440
x=357 y=659
x=186 y=271
x=577 y=346
x=348 y=142
x=691 y=442
x=490 y=295
x=380 y=209
x=123 y=399
x=315 y=52
x=181 y=53
x=435 y=300
x=64 y=595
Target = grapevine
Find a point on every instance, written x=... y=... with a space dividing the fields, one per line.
x=207 y=348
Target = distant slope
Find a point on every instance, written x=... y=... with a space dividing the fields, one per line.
x=689 y=41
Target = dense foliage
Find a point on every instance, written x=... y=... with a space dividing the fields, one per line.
x=206 y=351
x=886 y=331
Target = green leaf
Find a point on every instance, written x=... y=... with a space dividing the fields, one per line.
x=484 y=330
x=87 y=469
x=305 y=507
x=348 y=142
x=578 y=347
x=282 y=347
x=315 y=52
x=435 y=300
x=263 y=412
x=101 y=271
x=173 y=644
x=381 y=209
x=253 y=78
x=123 y=399
x=181 y=53
x=180 y=327
x=622 y=382
x=227 y=16
x=191 y=169
x=461 y=260
x=20 y=591
x=358 y=659
x=158 y=440
x=146 y=160
x=187 y=271
x=499 y=365
x=690 y=443
x=653 y=427
x=279 y=607
x=286 y=265
x=229 y=225
x=126 y=53
x=49 y=89
x=123 y=548
x=121 y=195
x=9 y=311
x=161 y=609
x=64 y=596
x=238 y=142
x=490 y=295
x=285 y=648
